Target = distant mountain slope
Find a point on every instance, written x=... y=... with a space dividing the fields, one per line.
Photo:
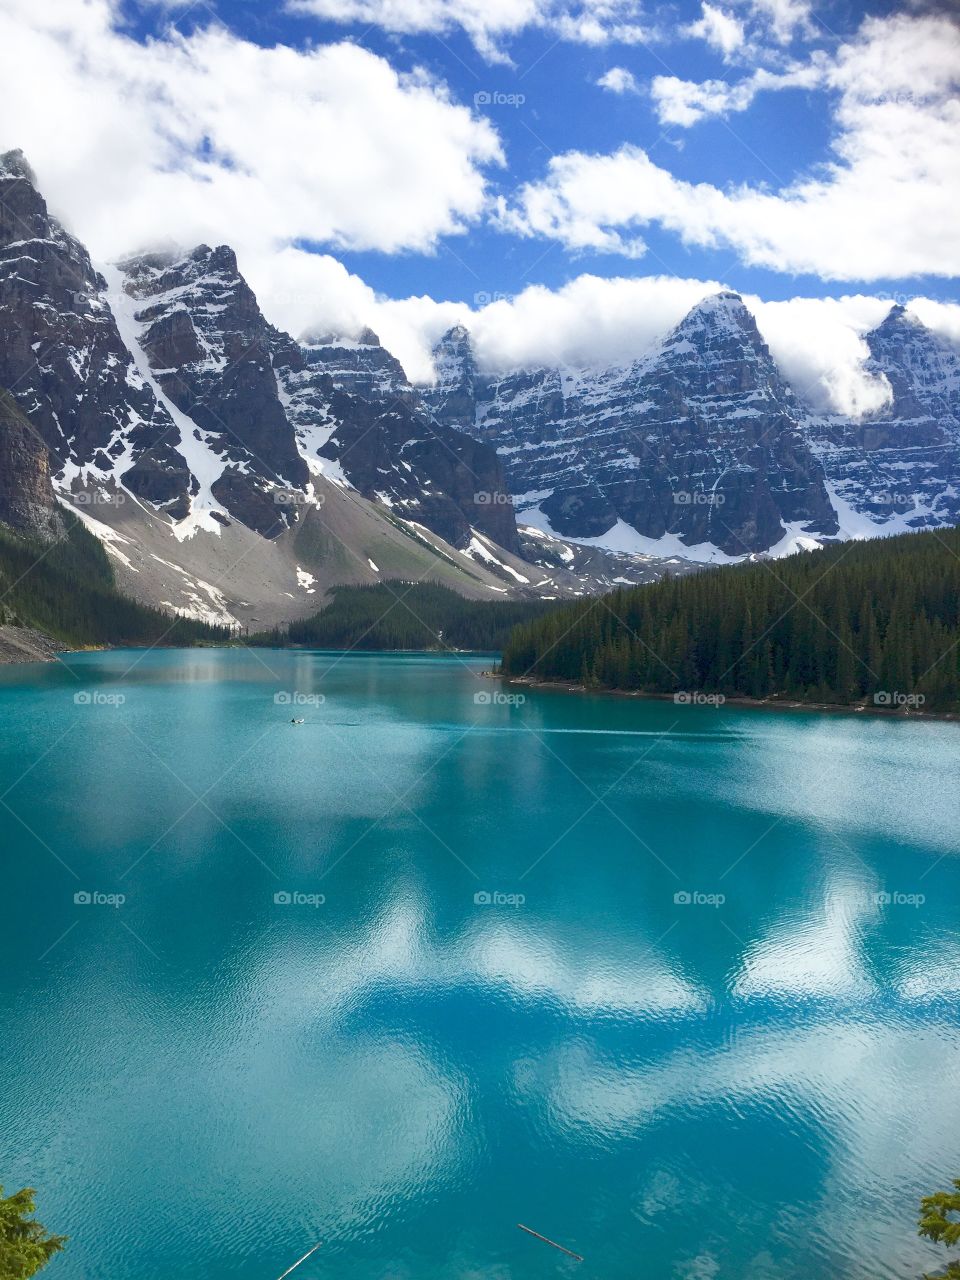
x=700 y=440
x=268 y=413
x=410 y=616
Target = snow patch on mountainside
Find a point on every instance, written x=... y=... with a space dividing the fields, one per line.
x=857 y=525
x=480 y=549
x=112 y=541
x=205 y=465
x=306 y=580
x=625 y=540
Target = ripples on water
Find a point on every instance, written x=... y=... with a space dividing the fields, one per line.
x=758 y=1079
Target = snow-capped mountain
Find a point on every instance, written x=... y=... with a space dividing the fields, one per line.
x=271 y=414
x=62 y=357
x=701 y=447
x=235 y=472
x=697 y=444
x=230 y=471
x=163 y=376
x=899 y=468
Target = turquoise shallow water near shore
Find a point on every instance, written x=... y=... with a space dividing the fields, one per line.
x=675 y=986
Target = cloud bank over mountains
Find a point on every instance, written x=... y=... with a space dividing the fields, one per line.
x=295 y=153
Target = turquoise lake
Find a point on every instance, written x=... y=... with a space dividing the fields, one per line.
x=677 y=987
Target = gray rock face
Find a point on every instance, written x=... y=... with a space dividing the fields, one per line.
x=177 y=387
x=353 y=407
x=903 y=463
x=62 y=358
x=27 y=503
x=212 y=354
x=702 y=439
x=274 y=411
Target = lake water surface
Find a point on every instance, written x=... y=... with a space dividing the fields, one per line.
x=678 y=987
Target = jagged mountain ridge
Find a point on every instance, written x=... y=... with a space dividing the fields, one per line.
x=230 y=471
x=161 y=381
x=702 y=446
x=62 y=358
x=699 y=440
x=173 y=384
x=274 y=413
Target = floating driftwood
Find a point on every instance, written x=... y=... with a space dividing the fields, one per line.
x=299 y=1260
x=530 y=1231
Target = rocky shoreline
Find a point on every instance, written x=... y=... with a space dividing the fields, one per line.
x=23 y=644
x=757 y=704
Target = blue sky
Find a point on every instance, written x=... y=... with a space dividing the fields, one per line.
x=541 y=95
x=565 y=177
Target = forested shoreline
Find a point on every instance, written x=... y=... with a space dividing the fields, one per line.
x=856 y=624
x=868 y=622
x=66 y=590
x=399 y=615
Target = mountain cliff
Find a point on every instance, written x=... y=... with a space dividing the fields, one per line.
x=236 y=473
x=701 y=446
x=700 y=440
x=900 y=466
x=230 y=471
x=62 y=357
x=271 y=414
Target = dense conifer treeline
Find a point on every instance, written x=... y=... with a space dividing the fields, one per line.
x=876 y=621
x=396 y=615
x=66 y=589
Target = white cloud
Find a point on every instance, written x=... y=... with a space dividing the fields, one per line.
x=210 y=137
x=942 y=317
x=818 y=344
x=489 y=23
x=686 y=102
x=619 y=80
x=588 y=322
x=720 y=29
x=785 y=19
x=591 y=322
x=885 y=207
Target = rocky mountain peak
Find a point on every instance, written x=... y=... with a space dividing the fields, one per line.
x=23 y=210
x=361 y=365
x=331 y=338
x=717 y=319
x=457 y=335
x=454 y=347
x=717 y=350
x=901 y=333
x=901 y=463
x=14 y=164
x=697 y=441
x=900 y=325
x=211 y=354
x=923 y=370
x=454 y=392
